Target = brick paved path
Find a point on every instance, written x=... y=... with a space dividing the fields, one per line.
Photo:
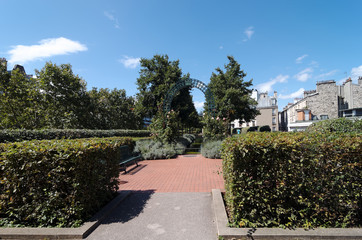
x=183 y=174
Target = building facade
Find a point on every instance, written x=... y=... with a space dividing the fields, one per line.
x=328 y=101
x=268 y=108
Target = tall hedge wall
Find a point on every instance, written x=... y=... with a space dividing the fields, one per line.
x=57 y=182
x=48 y=134
x=293 y=180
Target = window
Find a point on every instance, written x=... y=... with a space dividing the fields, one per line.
x=273 y=111
x=273 y=120
x=324 y=117
x=274 y=129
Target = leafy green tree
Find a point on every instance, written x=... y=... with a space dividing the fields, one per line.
x=232 y=93
x=111 y=110
x=157 y=75
x=63 y=95
x=19 y=100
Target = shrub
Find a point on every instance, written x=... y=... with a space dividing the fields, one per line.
x=48 y=134
x=211 y=149
x=336 y=125
x=265 y=128
x=151 y=149
x=293 y=179
x=57 y=182
x=252 y=129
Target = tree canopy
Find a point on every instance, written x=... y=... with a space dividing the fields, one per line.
x=157 y=75
x=232 y=93
x=57 y=98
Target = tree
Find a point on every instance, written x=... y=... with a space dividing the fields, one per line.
x=63 y=96
x=157 y=75
x=111 y=110
x=232 y=93
x=19 y=100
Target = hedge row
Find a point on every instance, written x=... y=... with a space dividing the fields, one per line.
x=336 y=125
x=48 y=134
x=57 y=182
x=293 y=180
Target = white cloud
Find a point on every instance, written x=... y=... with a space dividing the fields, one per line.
x=199 y=106
x=248 y=32
x=267 y=86
x=221 y=47
x=304 y=75
x=328 y=74
x=111 y=17
x=356 y=72
x=130 y=62
x=296 y=94
x=45 y=48
x=300 y=59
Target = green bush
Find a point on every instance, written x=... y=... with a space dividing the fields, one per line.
x=211 y=149
x=48 y=134
x=265 y=128
x=293 y=180
x=151 y=149
x=57 y=182
x=336 y=125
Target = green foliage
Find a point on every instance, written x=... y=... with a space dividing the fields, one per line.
x=265 y=128
x=111 y=110
x=293 y=179
x=211 y=149
x=164 y=127
x=58 y=183
x=151 y=149
x=214 y=127
x=57 y=98
x=62 y=93
x=157 y=76
x=232 y=93
x=48 y=134
x=19 y=101
x=336 y=125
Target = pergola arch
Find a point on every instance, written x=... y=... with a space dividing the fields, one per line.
x=189 y=82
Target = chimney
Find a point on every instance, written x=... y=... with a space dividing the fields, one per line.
x=360 y=80
x=275 y=95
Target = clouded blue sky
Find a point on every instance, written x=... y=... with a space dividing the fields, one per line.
x=284 y=46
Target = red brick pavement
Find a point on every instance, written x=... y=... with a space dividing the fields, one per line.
x=182 y=174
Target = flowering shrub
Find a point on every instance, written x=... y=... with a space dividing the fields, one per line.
x=214 y=127
x=164 y=127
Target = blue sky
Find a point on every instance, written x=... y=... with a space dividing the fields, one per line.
x=284 y=46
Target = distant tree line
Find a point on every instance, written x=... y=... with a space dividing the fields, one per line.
x=57 y=98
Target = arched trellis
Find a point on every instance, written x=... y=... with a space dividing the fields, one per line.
x=189 y=82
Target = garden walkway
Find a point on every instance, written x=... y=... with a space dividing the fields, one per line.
x=186 y=173
x=171 y=199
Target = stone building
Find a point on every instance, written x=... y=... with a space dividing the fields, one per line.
x=328 y=101
x=268 y=108
x=18 y=67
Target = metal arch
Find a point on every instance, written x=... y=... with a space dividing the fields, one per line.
x=189 y=82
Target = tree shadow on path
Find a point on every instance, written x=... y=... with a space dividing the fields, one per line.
x=129 y=208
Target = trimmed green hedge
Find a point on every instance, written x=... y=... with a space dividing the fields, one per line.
x=48 y=134
x=57 y=182
x=336 y=125
x=293 y=180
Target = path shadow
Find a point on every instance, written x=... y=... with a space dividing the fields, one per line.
x=129 y=208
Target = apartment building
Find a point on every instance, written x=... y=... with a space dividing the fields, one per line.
x=268 y=108
x=328 y=101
